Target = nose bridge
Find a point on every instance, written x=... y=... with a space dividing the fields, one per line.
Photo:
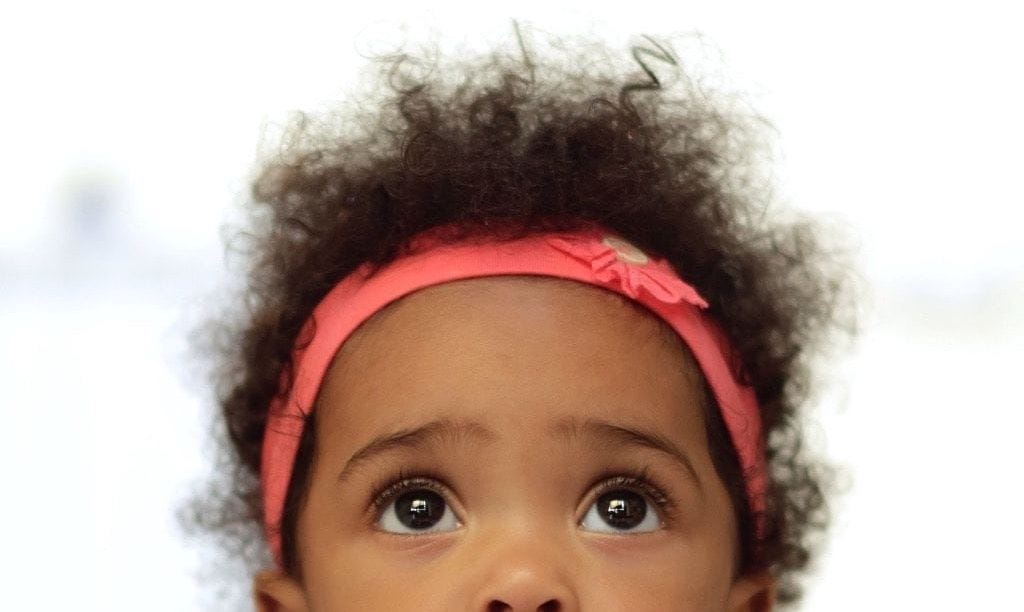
x=525 y=567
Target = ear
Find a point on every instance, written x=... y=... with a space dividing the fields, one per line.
x=274 y=591
x=752 y=593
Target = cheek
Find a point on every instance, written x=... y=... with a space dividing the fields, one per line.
x=365 y=576
x=676 y=575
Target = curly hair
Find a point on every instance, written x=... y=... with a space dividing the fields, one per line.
x=508 y=143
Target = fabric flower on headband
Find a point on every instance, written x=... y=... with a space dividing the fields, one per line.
x=615 y=261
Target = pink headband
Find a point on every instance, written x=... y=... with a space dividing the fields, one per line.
x=593 y=256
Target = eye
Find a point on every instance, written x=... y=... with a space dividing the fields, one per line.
x=414 y=506
x=623 y=506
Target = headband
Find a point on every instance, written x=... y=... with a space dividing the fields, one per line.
x=591 y=255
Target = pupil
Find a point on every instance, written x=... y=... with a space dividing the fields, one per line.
x=419 y=509
x=623 y=509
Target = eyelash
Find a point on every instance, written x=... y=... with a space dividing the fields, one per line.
x=388 y=489
x=641 y=481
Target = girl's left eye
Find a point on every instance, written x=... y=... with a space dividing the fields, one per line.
x=623 y=510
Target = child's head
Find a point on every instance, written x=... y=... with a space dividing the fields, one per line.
x=524 y=442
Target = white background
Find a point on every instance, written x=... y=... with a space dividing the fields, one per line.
x=127 y=132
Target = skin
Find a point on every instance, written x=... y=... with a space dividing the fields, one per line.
x=527 y=361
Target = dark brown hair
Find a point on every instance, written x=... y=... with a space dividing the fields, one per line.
x=508 y=144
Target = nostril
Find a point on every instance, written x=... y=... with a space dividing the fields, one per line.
x=551 y=605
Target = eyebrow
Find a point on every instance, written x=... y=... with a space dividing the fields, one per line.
x=440 y=430
x=614 y=435
x=603 y=432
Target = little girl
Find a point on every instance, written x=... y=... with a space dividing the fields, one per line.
x=524 y=341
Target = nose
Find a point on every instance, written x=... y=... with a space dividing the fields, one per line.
x=528 y=590
x=526 y=574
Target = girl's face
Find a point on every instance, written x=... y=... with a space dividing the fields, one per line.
x=514 y=443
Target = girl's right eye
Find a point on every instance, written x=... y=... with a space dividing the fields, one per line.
x=412 y=507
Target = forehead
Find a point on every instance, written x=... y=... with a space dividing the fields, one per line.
x=527 y=349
